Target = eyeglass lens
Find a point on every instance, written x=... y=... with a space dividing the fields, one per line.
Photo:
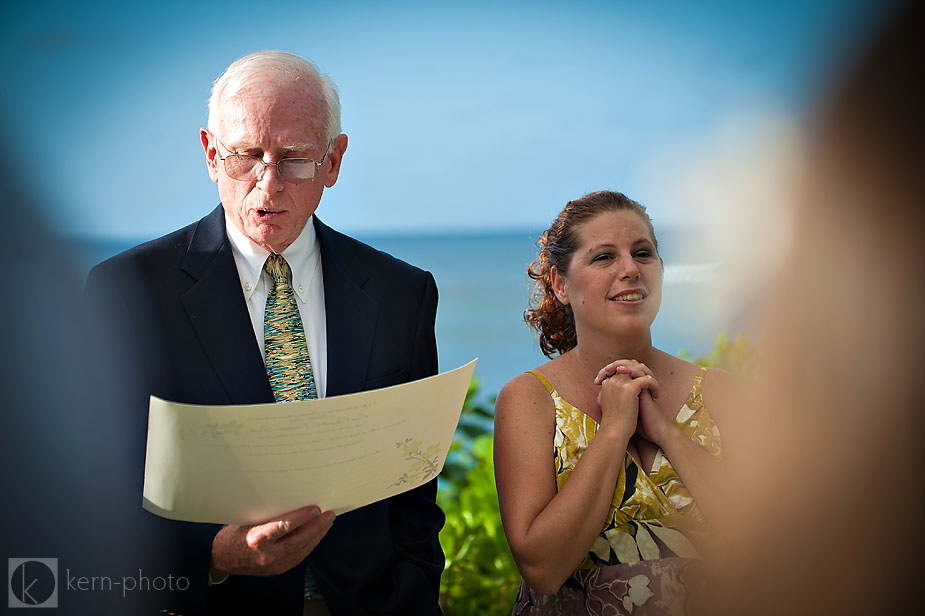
x=250 y=168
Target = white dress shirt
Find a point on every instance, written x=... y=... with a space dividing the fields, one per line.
x=304 y=259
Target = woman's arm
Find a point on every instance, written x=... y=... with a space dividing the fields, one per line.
x=551 y=532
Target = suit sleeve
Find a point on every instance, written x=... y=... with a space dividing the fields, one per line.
x=415 y=519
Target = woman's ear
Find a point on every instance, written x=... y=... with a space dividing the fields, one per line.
x=557 y=281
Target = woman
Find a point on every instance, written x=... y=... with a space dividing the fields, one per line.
x=597 y=518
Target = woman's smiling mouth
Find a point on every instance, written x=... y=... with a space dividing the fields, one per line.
x=628 y=297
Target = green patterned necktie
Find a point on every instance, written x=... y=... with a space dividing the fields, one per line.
x=288 y=364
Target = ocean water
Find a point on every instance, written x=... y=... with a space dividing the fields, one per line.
x=484 y=290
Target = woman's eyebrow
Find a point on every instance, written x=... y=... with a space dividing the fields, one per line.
x=610 y=245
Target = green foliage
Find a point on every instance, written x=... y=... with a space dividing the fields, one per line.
x=480 y=575
x=477 y=419
x=733 y=355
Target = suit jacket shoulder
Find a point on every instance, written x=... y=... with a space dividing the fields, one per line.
x=365 y=262
x=381 y=313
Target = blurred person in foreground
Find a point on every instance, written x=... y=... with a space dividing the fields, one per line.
x=609 y=456
x=206 y=300
x=829 y=521
x=63 y=459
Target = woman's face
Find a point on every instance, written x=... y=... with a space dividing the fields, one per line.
x=614 y=279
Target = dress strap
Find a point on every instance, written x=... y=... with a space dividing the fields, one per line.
x=543 y=380
x=698 y=383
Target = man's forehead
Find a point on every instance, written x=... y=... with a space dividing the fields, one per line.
x=254 y=119
x=272 y=88
x=243 y=105
x=237 y=137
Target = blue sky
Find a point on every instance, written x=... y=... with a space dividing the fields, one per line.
x=461 y=116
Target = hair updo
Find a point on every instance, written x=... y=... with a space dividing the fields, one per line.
x=553 y=320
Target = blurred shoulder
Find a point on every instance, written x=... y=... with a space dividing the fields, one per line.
x=721 y=382
x=723 y=394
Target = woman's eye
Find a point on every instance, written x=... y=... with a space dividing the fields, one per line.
x=643 y=254
x=601 y=257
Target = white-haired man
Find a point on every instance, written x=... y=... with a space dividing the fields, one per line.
x=196 y=305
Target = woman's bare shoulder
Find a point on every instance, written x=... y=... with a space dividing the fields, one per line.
x=673 y=368
x=523 y=386
x=526 y=393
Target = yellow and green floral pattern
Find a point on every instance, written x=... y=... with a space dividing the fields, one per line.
x=652 y=514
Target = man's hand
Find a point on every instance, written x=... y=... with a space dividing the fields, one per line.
x=271 y=548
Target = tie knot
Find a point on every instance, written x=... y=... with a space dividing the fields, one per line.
x=277 y=268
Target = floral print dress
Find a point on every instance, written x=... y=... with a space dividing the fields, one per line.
x=644 y=558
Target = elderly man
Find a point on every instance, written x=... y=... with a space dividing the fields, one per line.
x=260 y=301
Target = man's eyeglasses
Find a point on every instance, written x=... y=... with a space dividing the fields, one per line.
x=248 y=168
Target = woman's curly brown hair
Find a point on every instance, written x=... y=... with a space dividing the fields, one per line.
x=553 y=320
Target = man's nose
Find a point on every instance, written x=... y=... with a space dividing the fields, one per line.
x=269 y=179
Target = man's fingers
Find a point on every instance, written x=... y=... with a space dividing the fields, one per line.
x=312 y=532
x=271 y=548
x=301 y=516
x=277 y=529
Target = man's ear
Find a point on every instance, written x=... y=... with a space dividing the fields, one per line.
x=212 y=160
x=333 y=159
x=558 y=285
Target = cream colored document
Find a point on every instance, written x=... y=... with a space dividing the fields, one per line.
x=248 y=464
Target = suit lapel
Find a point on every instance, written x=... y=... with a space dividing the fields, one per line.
x=216 y=308
x=349 y=311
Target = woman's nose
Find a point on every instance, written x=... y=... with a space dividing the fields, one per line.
x=629 y=270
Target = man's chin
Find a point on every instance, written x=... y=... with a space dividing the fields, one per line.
x=269 y=239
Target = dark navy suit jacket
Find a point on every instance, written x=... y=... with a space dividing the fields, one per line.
x=178 y=304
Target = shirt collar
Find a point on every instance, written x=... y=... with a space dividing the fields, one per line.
x=303 y=256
